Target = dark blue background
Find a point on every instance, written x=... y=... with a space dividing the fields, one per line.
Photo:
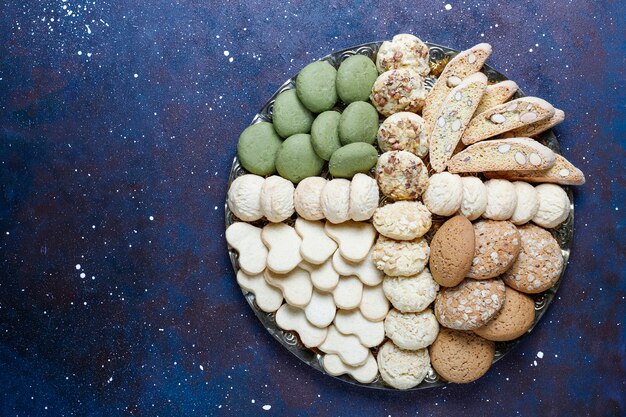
x=119 y=121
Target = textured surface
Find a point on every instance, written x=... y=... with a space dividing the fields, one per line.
x=125 y=175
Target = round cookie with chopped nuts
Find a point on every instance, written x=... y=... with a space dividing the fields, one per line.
x=402 y=220
x=411 y=294
x=452 y=251
x=539 y=264
x=398 y=90
x=404 y=131
x=461 y=357
x=401 y=175
x=513 y=320
x=497 y=246
x=402 y=369
x=403 y=51
x=469 y=305
x=403 y=258
x=411 y=331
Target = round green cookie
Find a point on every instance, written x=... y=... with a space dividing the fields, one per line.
x=315 y=86
x=296 y=159
x=290 y=116
x=358 y=123
x=257 y=148
x=352 y=159
x=355 y=78
x=325 y=134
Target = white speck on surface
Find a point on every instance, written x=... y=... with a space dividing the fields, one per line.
x=88 y=29
x=82 y=275
x=80 y=52
x=535 y=363
x=201 y=368
x=230 y=59
x=151 y=218
x=448 y=6
x=136 y=75
x=226 y=53
x=540 y=355
x=77 y=266
x=110 y=380
x=267 y=407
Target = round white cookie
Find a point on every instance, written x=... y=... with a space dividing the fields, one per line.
x=401 y=257
x=444 y=194
x=307 y=198
x=554 y=206
x=277 y=199
x=411 y=331
x=474 y=201
x=403 y=51
x=402 y=369
x=501 y=200
x=527 y=203
x=402 y=220
x=364 y=197
x=335 y=199
x=411 y=294
x=244 y=197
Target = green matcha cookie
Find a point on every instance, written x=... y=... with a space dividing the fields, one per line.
x=358 y=123
x=290 y=116
x=351 y=159
x=355 y=78
x=325 y=134
x=257 y=148
x=296 y=159
x=315 y=86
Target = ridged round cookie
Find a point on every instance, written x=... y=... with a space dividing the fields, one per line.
x=461 y=357
x=411 y=294
x=497 y=247
x=452 y=251
x=513 y=320
x=401 y=175
x=402 y=369
x=400 y=257
x=469 y=305
x=539 y=264
x=411 y=331
x=403 y=220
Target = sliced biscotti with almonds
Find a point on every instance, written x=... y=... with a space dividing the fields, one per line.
x=502 y=155
x=495 y=94
x=463 y=64
x=536 y=128
x=505 y=117
x=562 y=172
x=453 y=117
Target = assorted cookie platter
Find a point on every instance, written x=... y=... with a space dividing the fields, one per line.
x=398 y=214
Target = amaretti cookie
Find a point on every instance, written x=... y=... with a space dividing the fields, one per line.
x=497 y=246
x=452 y=251
x=404 y=131
x=505 y=117
x=352 y=159
x=355 y=77
x=444 y=194
x=398 y=90
x=461 y=357
x=403 y=51
x=474 y=201
x=244 y=197
x=307 y=198
x=257 y=148
x=364 y=196
x=495 y=94
x=401 y=175
x=401 y=257
x=554 y=206
x=527 y=203
x=501 y=200
x=402 y=220
x=411 y=331
x=538 y=127
x=469 y=305
x=358 y=123
x=402 y=369
x=315 y=85
x=562 y=172
x=277 y=199
x=325 y=134
x=296 y=159
x=290 y=116
x=503 y=155
x=539 y=264
x=411 y=294
x=516 y=316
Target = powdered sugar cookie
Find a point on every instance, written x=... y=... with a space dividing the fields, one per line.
x=292 y=318
x=348 y=292
x=296 y=286
x=411 y=331
x=335 y=200
x=401 y=175
x=527 y=203
x=554 y=206
x=323 y=276
x=365 y=373
x=374 y=305
x=501 y=200
x=316 y=246
x=320 y=311
x=355 y=239
x=267 y=297
x=307 y=198
x=404 y=131
x=246 y=240
x=497 y=247
x=364 y=197
x=474 y=201
x=403 y=51
x=402 y=369
x=365 y=270
x=244 y=197
x=398 y=90
x=277 y=199
x=402 y=220
x=401 y=258
x=370 y=333
x=411 y=294
x=284 y=247
x=444 y=194
x=347 y=347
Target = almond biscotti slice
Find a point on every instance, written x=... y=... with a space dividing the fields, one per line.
x=463 y=64
x=562 y=172
x=505 y=117
x=453 y=117
x=497 y=93
x=520 y=154
x=536 y=128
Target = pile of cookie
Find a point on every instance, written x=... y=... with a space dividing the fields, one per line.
x=396 y=229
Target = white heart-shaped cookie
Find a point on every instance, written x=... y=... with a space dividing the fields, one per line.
x=284 y=247
x=246 y=240
x=347 y=347
x=355 y=239
x=366 y=269
x=370 y=333
x=295 y=285
x=292 y=318
x=267 y=297
x=316 y=246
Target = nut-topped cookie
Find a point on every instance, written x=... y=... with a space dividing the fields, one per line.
x=402 y=220
x=497 y=247
x=401 y=257
x=404 y=131
x=401 y=175
x=469 y=305
x=398 y=90
x=403 y=51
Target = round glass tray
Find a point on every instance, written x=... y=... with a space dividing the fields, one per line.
x=439 y=55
